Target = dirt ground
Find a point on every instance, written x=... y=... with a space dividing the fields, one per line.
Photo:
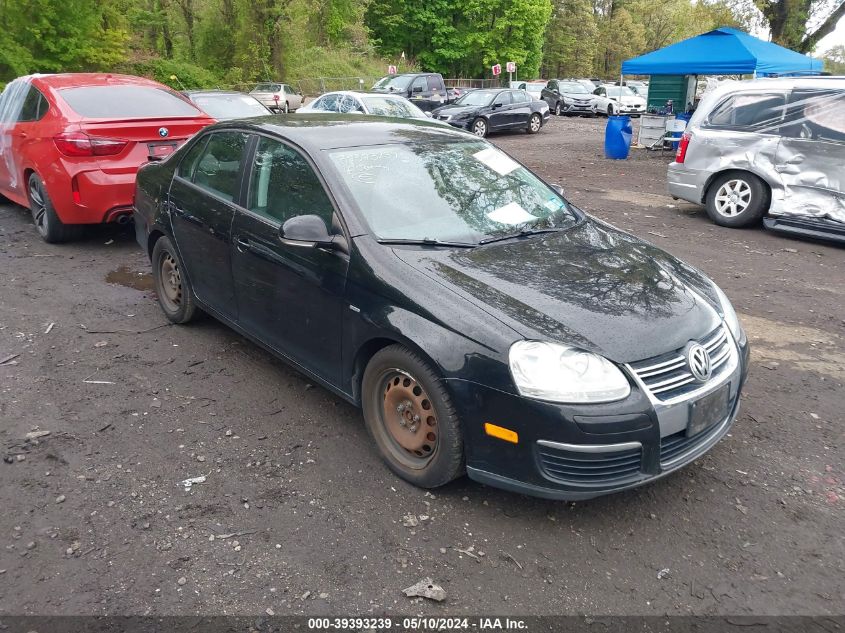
x=298 y=515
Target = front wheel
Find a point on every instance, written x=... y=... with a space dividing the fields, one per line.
x=610 y=110
x=479 y=127
x=737 y=199
x=287 y=107
x=411 y=418
x=558 y=109
x=49 y=226
x=172 y=287
x=534 y=123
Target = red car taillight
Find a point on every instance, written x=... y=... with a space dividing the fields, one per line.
x=79 y=144
x=681 y=154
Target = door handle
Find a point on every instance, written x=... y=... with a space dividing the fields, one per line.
x=243 y=243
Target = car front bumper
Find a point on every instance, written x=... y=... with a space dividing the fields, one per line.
x=572 y=452
x=686 y=184
x=579 y=108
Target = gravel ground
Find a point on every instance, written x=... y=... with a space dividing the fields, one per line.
x=298 y=515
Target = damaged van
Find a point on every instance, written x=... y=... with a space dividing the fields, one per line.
x=770 y=150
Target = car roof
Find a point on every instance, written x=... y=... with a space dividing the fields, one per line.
x=355 y=93
x=59 y=81
x=318 y=131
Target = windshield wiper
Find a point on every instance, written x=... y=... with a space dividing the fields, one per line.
x=521 y=233
x=427 y=241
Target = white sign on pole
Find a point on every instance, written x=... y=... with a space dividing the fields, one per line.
x=511 y=66
x=391 y=70
x=497 y=70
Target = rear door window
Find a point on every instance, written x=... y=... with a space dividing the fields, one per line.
x=504 y=98
x=189 y=162
x=127 y=102
x=419 y=84
x=752 y=112
x=34 y=106
x=817 y=114
x=218 y=169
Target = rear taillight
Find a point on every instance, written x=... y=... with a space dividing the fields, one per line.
x=80 y=144
x=681 y=154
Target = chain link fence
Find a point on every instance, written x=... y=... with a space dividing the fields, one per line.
x=311 y=87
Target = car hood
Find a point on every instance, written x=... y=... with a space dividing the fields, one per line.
x=579 y=95
x=456 y=110
x=592 y=286
x=632 y=100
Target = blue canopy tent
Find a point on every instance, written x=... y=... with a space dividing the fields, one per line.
x=724 y=51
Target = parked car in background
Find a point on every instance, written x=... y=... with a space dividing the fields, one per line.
x=426 y=90
x=534 y=88
x=224 y=104
x=484 y=324
x=348 y=102
x=570 y=97
x=622 y=99
x=639 y=88
x=770 y=149
x=278 y=97
x=494 y=109
x=70 y=144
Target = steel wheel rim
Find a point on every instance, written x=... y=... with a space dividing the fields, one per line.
x=557 y=109
x=409 y=419
x=535 y=123
x=480 y=128
x=732 y=198
x=170 y=282
x=39 y=207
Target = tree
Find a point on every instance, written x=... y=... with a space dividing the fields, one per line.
x=788 y=21
x=571 y=40
x=834 y=60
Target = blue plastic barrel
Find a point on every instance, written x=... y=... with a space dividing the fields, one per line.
x=684 y=116
x=617 y=137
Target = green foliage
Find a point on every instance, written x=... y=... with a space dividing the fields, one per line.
x=187 y=75
x=570 y=45
x=834 y=60
x=461 y=38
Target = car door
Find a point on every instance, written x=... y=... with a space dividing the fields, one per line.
x=421 y=95
x=203 y=197
x=17 y=100
x=289 y=297
x=520 y=108
x=500 y=115
x=550 y=94
x=809 y=155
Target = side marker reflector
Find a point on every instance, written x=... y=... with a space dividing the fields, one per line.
x=501 y=432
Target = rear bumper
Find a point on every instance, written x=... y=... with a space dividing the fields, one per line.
x=686 y=184
x=815 y=228
x=93 y=196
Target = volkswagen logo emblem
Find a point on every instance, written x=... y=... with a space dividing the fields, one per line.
x=163 y=131
x=698 y=361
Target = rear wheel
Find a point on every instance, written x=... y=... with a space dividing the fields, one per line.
x=534 y=123
x=737 y=199
x=51 y=229
x=175 y=295
x=479 y=127
x=287 y=107
x=411 y=418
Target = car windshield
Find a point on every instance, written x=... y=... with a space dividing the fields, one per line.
x=385 y=106
x=619 y=91
x=476 y=98
x=127 y=102
x=574 y=88
x=398 y=83
x=267 y=88
x=229 y=106
x=456 y=191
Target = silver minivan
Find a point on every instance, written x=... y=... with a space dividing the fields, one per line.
x=770 y=149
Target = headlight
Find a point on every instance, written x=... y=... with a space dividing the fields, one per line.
x=729 y=314
x=559 y=373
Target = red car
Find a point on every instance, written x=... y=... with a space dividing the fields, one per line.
x=70 y=144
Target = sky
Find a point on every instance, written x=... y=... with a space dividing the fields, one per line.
x=837 y=37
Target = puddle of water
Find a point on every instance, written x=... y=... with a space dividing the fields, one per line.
x=131 y=279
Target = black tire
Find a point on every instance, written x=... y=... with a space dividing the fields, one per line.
x=393 y=375
x=535 y=122
x=737 y=199
x=480 y=127
x=558 y=109
x=610 y=109
x=175 y=295
x=51 y=229
x=287 y=107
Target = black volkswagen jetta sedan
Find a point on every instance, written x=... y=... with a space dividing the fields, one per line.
x=483 y=323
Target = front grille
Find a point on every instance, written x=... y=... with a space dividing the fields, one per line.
x=668 y=376
x=589 y=468
x=673 y=446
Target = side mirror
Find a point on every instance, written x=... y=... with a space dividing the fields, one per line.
x=558 y=189
x=416 y=89
x=428 y=114
x=308 y=231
